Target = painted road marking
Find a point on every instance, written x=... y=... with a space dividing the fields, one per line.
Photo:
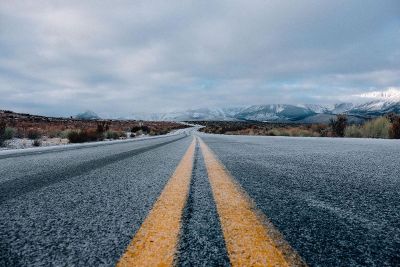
x=250 y=239
x=156 y=241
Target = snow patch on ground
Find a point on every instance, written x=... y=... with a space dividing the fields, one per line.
x=20 y=143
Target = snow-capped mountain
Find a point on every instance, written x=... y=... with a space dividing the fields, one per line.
x=220 y=114
x=274 y=112
x=376 y=108
x=316 y=108
x=379 y=103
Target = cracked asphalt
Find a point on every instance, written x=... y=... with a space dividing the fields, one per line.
x=335 y=201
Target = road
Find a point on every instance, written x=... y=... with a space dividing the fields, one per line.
x=193 y=199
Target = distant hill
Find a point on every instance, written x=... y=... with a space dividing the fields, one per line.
x=87 y=115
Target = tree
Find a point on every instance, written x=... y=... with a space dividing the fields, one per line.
x=338 y=125
x=394 y=131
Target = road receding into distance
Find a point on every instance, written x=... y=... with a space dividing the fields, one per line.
x=195 y=199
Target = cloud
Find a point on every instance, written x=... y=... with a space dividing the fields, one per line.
x=391 y=94
x=119 y=57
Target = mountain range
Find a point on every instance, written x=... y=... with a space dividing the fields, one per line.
x=376 y=104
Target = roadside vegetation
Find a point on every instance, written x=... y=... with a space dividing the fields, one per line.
x=381 y=127
x=31 y=130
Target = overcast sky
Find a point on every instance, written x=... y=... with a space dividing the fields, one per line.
x=120 y=57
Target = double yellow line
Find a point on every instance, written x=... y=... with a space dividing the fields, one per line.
x=250 y=238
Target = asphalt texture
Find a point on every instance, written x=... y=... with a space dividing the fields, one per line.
x=336 y=201
x=201 y=240
x=88 y=210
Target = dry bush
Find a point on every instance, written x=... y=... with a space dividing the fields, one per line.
x=115 y=134
x=353 y=131
x=9 y=133
x=37 y=142
x=34 y=134
x=320 y=129
x=75 y=137
x=102 y=127
x=53 y=134
x=92 y=135
x=63 y=134
x=377 y=128
x=81 y=136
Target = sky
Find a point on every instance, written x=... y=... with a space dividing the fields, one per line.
x=122 y=57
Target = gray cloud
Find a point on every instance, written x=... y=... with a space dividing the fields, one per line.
x=118 y=57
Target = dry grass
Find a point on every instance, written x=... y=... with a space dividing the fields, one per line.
x=268 y=129
x=376 y=128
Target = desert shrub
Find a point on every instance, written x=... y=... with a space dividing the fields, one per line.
x=81 y=136
x=63 y=134
x=320 y=129
x=338 y=125
x=394 y=131
x=9 y=133
x=20 y=133
x=93 y=135
x=135 y=129
x=122 y=134
x=2 y=130
x=54 y=133
x=377 y=128
x=145 y=129
x=75 y=137
x=37 y=142
x=160 y=132
x=353 y=131
x=33 y=134
x=102 y=126
x=114 y=134
x=141 y=129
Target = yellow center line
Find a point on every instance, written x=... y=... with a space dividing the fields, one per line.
x=250 y=239
x=155 y=242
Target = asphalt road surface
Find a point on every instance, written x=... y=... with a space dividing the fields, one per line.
x=318 y=201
